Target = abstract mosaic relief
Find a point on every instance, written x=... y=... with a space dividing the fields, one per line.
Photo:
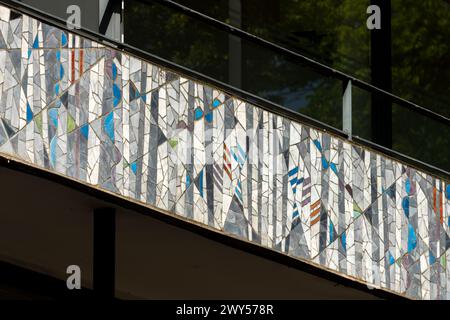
x=106 y=118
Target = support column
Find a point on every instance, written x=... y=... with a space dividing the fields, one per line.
x=104 y=252
x=381 y=71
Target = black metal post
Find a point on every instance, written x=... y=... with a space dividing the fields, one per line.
x=381 y=71
x=104 y=252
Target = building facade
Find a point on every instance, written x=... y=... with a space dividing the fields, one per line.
x=140 y=130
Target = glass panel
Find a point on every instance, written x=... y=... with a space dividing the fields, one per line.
x=184 y=40
x=172 y=35
x=330 y=31
x=420 y=137
x=361 y=109
x=281 y=80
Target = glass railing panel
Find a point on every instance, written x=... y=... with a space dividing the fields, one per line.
x=420 y=137
x=361 y=110
x=177 y=37
x=413 y=134
x=282 y=80
x=339 y=38
x=197 y=45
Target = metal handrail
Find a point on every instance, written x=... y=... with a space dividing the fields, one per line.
x=249 y=97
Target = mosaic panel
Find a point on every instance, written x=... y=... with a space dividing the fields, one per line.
x=119 y=123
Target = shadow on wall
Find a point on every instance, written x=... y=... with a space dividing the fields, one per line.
x=53 y=229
